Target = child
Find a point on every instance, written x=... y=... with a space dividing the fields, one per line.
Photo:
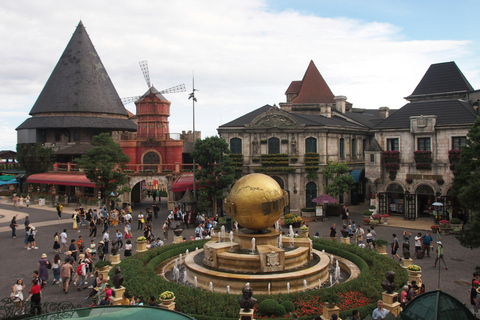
x=80 y=243
x=93 y=248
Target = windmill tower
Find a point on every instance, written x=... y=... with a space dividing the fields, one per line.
x=153 y=148
x=153 y=109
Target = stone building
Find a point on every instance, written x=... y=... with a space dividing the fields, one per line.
x=293 y=142
x=410 y=162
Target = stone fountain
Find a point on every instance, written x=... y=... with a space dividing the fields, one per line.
x=256 y=202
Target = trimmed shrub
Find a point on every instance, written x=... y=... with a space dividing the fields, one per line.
x=289 y=306
x=269 y=307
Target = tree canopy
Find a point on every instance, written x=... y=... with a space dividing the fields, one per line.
x=337 y=179
x=102 y=165
x=217 y=171
x=34 y=158
x=466 y=185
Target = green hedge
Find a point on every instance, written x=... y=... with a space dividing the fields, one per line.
x=141 y=279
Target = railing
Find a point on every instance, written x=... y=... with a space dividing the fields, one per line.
x=167 y=136
x=134 y=168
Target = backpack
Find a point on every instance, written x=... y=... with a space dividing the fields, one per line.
x=79 y=269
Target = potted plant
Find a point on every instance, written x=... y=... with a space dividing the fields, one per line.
x=374 y=222
x=409 y=180
x=102 y=265
x=293 y=219
x=440 y=181
x=414 y=270
x=167 y=297
x=381 y=246
x=304 y=231
x=375 y=216
x=366 y=221
x=141 y=244
x=385 y=217
x=331 y=299
x=445 y=227
x=456 y=222
x=434 y=228
x=367 y=213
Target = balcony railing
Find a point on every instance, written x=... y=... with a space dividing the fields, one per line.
x=134 y=168
x=133 y=136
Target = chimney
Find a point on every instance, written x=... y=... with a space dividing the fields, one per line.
x=384 y=112
x=340 y=103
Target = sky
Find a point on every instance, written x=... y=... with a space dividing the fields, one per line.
x=242 y=54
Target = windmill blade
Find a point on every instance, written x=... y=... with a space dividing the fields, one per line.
x=146 y=73
x=128 y=100
x=179 y=88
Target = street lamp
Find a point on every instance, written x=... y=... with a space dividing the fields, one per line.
x=192 y=96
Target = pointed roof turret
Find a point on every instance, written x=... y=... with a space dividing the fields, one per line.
x=312 y=88
x=79 y=93
x=441 y=79
x=79 y=82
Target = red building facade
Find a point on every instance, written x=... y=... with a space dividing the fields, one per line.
x=152 y=148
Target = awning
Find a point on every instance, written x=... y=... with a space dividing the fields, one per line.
x=356 y=174
x=67 y=179
x=13 y=181
x=183 y=183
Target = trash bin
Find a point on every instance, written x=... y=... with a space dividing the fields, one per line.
x=41 y=201
x=228 y=224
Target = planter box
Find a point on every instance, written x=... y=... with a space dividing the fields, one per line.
x=141 y=246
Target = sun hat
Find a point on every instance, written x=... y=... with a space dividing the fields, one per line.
x=101 y=242
x=44 y=255
x=69 y=253
x=439 y=242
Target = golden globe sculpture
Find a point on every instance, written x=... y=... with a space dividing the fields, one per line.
x=256 y=201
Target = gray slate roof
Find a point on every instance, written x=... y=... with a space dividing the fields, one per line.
x=79 y=82
x=448 y=112
x=442 y=78
x=306 y=119
x=78 y=122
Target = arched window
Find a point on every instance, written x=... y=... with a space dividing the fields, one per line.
x=364 y=147
x=273 y=146
x=354 y=148
x=342 y=148
x=236 y=145
x=310 y=194
x=311 y=145
x=151 y=158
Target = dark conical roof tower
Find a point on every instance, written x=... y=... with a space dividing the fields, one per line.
x=79 y=92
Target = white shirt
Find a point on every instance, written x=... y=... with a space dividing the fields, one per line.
x=106 y=237
x=418 y=241
x=63 y=237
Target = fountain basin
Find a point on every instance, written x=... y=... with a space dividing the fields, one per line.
x=258 y=282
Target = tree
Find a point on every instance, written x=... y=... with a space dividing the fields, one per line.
x=466 y=183
x=216 y=171
x=337 y=179
x=102 y=165
x=34 y=158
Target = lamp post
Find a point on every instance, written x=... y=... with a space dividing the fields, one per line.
x=192 y=96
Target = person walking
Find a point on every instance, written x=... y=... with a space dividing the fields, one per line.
x=59 y=210
x=65 y=273
x=56 y=242
x=63 y=241
x=14 y=225
x=93 y=228
x=427 y=241
x=17 y=296
x=42 y=268
x=395 y=246
x=333 y=233
x=439 y=255
x=76 y=219
x=345 y=214
x=141 y=221
x=36 y=297
x=56 y=263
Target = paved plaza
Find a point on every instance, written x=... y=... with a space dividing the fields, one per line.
x=18 y=262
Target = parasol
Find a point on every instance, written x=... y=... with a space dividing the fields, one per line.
x=324 y=198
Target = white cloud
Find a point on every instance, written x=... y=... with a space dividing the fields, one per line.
x=243 y=55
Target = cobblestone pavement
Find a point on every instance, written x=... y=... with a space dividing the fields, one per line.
x=18 y=262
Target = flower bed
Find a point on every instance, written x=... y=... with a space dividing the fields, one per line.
x=422 y=156
x=423 y=166
x=454 y=155
x=141 y=279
